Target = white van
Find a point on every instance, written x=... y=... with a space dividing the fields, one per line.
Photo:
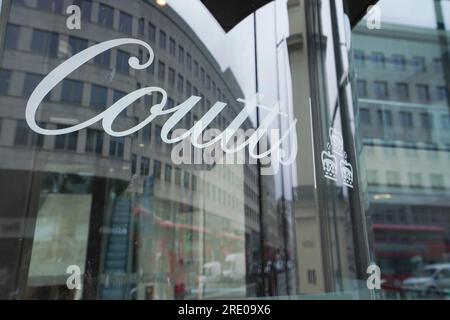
x=234 y=267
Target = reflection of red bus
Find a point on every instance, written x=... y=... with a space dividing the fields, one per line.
x=401 y=249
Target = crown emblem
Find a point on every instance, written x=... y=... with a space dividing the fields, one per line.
x=337 y=143
x=347 y=173
x=329 y=165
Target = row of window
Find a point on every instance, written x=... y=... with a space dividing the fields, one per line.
x=429 y=151
x=105 y=16
x=406 y=119
x=179 y=177
x=417 y=214
x=50 y=47
x=414 y=179
x=23 y=136
x=72 y=92
x=398 y=61
x=94 y=144
x=46 y=43
x=380 y=90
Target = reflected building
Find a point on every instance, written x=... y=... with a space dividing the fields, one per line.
x=138 y=226
x=324 y=209
x=403 y=103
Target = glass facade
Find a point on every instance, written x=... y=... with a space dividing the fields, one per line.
x=110 y=195
x=403 y=145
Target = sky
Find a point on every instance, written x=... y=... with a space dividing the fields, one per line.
x=236 y=49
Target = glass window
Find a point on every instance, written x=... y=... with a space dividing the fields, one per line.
x=399 y=62
x=77 y=44
x=24 y=137
x=72 y=91
x=379 y=60
x=117 y=95
x=385 y=118
x=442 y=93
x=208 y=82
x=133 y=164
x=151 y=32
x=181 y=54
x=22 y=134
x=157 y=169
x=116 y=147
x=437 y=65
x=196 y=69
x=426 y=120
x=188 y=89
x=125 y=23
x=147 y=133
x=189 y=61
x=103 y=60
x=381 y=89
x=106 y=16
x=161 y=71
x=122 y=65
x=162 y=39
x=66 y=142
x=172 y=47
x=5 y=80
x=423 y=92
x=99 y=97
x=362 y=88
x=360 y=58
x=94 y=141
x=141 y=27
x=178 y=176
x=168 y=173
x=402 y=91
x=202 y=75
x=171 y=76
x=419 y=64
x=44 y=43
x=186 y=180
x=11 y=36
x=145 y=166
x=30 y=83
x=180 y=83
x=194 y=182
x=50 y=5
x=406 y=119
x=86 y=8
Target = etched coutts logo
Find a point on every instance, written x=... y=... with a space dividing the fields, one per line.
x=347 y=173
x=329 y=165
x=335 y=150
x=271 y=157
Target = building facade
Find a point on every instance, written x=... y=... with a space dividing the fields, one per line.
x=143 y=210
x=403 y=105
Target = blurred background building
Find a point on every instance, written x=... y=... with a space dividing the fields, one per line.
x=402 y=85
